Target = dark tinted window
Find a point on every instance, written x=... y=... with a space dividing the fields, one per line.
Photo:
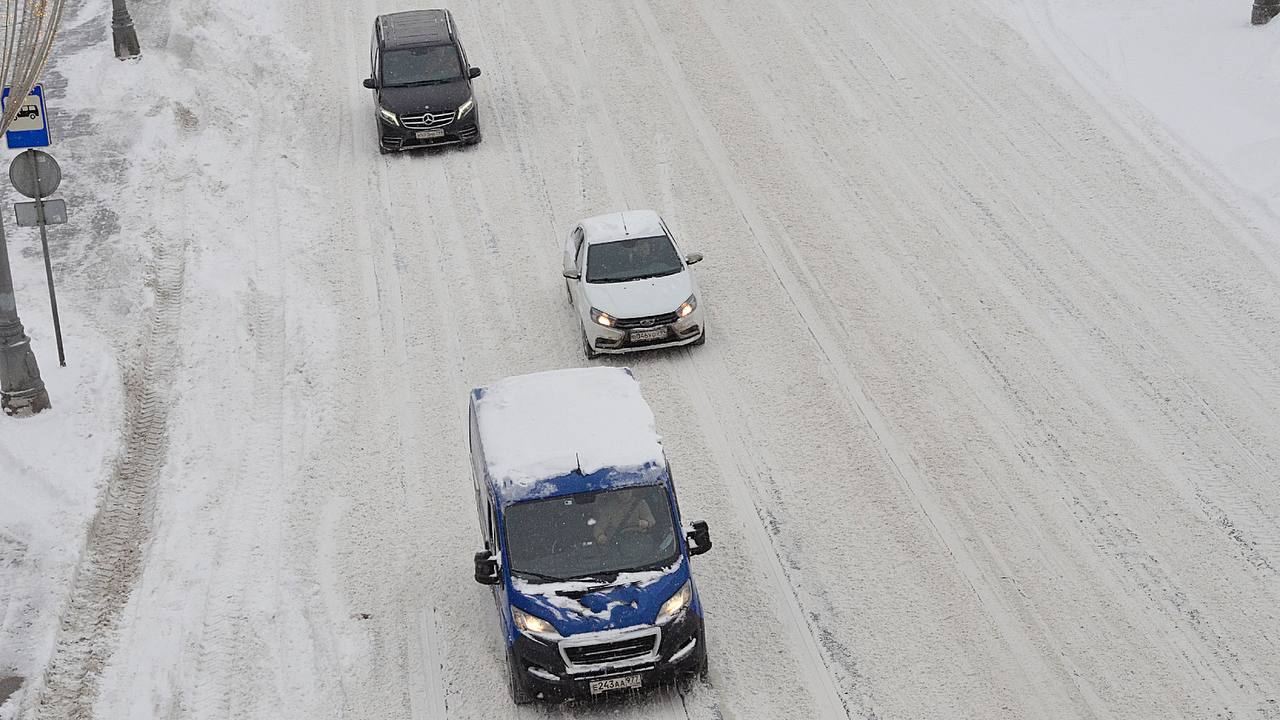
x=591 y=535
x=632 y=259
x=427 y=64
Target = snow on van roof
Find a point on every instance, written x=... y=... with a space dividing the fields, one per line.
x=619 y=225
x=549 y=424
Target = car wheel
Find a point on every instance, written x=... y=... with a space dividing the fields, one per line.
x=587 y=350
x=520 y=694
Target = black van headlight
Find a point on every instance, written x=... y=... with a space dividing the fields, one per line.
x=388 y=116
x=676 y=604
x=466 y=107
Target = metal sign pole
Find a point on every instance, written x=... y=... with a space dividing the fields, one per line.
x=48 y=266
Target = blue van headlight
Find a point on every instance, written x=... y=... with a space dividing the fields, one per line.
x=676 y=604
x=533 y=625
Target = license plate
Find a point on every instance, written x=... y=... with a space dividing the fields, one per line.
x=654 y=334
x=618 y=683
x=428 y=134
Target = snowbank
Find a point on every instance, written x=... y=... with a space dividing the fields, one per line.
x=52 y=468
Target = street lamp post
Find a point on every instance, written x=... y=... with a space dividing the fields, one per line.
x=22 y=391
x=122 y=32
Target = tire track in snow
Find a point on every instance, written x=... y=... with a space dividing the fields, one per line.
x=776 y=249
x=1191 y=636
x=924 y=193
x=228 y=635
x=737 y=463
x=429 y=699
x=801 y=631
x=232 y=631
x=1259 y=538
x=118 y=535
x=400 y=631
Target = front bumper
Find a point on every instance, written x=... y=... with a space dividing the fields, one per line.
x=683 y=331
x=681 y=652
x=395 y=137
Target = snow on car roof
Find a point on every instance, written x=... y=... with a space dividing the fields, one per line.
x=619 y=225
x=547 y=425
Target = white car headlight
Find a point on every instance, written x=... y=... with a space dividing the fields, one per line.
x=532 y=624
x=466 y=107
x=687 y=306
x=676 y=604
x=601 y=317
x=388 y=116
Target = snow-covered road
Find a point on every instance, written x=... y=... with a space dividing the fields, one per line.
x=987 y=424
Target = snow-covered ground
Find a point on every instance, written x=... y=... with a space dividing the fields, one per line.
x=1194 y=72
x=986 y=425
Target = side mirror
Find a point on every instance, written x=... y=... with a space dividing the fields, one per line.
x=699 y=538
x=486 y=568
x=692 y=258
x=370 y=83
x=473 y=73
x=572 y=273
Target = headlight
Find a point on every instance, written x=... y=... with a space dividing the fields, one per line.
x=388 y=116
x=687 y=306
x=466 y=107
x=601 y=317
x=533 y=624
x=676 y=603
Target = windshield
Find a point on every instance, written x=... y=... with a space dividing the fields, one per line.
x=591 y=535
x=420 y=65
x=632 y=259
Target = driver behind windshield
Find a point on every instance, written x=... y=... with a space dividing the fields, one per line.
x=615 y=519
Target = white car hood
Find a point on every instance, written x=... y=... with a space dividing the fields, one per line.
x=641 y=298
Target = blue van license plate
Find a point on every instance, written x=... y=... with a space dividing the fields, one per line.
x=617 y=683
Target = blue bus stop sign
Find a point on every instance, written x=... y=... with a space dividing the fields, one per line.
x=30 y=128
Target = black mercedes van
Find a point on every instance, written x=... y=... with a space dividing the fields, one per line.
x=421 y=82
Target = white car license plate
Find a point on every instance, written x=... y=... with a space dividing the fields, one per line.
x=653 y=334
x=617 y=683
x=428 y=134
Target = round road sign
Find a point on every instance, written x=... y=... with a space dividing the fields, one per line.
x=32 y=166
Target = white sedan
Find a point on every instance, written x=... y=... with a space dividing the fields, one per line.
x=630 y=285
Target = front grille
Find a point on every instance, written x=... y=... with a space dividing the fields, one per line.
x=645 y=322
x=612 y=652
x=426 y=121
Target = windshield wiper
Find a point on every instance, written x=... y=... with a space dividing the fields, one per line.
x=577 y=593
x=538 y=576
x=655 y=275
x=419 y=83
